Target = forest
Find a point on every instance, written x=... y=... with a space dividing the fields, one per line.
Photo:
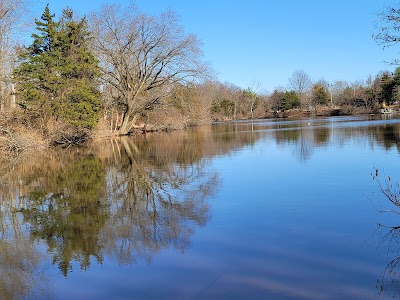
x=120 y=71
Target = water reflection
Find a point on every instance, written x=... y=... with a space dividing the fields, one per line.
x=304 y=137
x=232 y=135
x=19 y=260
x=128 y=198
x=129 y=203
x=388 y=135
x=389 y=236
x=154 y=204
x=389 y=283
x=66 y=208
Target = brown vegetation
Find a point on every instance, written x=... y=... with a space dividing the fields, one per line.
x=153 y=78
x=17 y=134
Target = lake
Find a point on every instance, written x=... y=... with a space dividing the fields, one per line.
x=264 y=209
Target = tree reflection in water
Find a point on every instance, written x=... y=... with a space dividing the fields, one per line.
x=304 y=137
x=67 y=210
x=389 y=236
x=19 y=260
x=129 y=199
x=389 y=283
x=154 y=204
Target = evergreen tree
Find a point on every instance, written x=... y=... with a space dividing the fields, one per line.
x=319 y=95
x=289 y=100
x=57 y=75
x=387 y=89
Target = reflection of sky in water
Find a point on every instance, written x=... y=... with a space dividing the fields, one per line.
x=290 y=217
x=334 y=122
x=305 y=229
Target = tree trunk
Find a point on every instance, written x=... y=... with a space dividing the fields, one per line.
x=2 y=96
x=127 y=122
x=13 y=93
x=123 y=130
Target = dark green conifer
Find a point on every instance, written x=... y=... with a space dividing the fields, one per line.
x=58 y=74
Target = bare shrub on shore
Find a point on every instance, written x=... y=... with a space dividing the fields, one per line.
x=61 y=133
x=22 y=131
x=167 y=118
x=20 y=141
x=17 y=134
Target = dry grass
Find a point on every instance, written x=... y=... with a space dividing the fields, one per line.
x=165 y=118
x=20 y=141
x=17 y=135
x=102 y=130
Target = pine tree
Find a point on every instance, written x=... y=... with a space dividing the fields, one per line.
x=387 y=91
x=319 y=95
x=58 y=74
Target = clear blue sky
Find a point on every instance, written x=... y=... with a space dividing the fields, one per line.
x=265 y=41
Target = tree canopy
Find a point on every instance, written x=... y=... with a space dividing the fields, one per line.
x=143 y=57
x=58 y=74
x=319 y=95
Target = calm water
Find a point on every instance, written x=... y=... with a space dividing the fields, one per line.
x=270 y=209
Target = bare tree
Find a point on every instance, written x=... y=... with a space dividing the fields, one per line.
x=142 y=57
x=11 y=12
x=301 y=83
x=338 y=90
x=388 y=29
x=252 y=95
x=234 y=93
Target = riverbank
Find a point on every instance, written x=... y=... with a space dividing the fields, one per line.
x=323 y=112
x=20 y=132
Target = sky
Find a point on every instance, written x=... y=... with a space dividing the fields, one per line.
x=260 y=43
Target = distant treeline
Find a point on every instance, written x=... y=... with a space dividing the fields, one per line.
x=119 y=70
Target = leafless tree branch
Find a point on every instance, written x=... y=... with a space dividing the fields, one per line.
x=143 y=56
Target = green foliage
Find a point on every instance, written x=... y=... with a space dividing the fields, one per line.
x=319 y=95
x=81 y=107
x=249 y=93
x=371 y=96
x=227 y=106
x=224 y=106
x=289 y=100
x=396 y=77
x=67 y=213
x=285 y=100
x=387 y=89
x=348 y=94
x=57 y=75
x=215 y=107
